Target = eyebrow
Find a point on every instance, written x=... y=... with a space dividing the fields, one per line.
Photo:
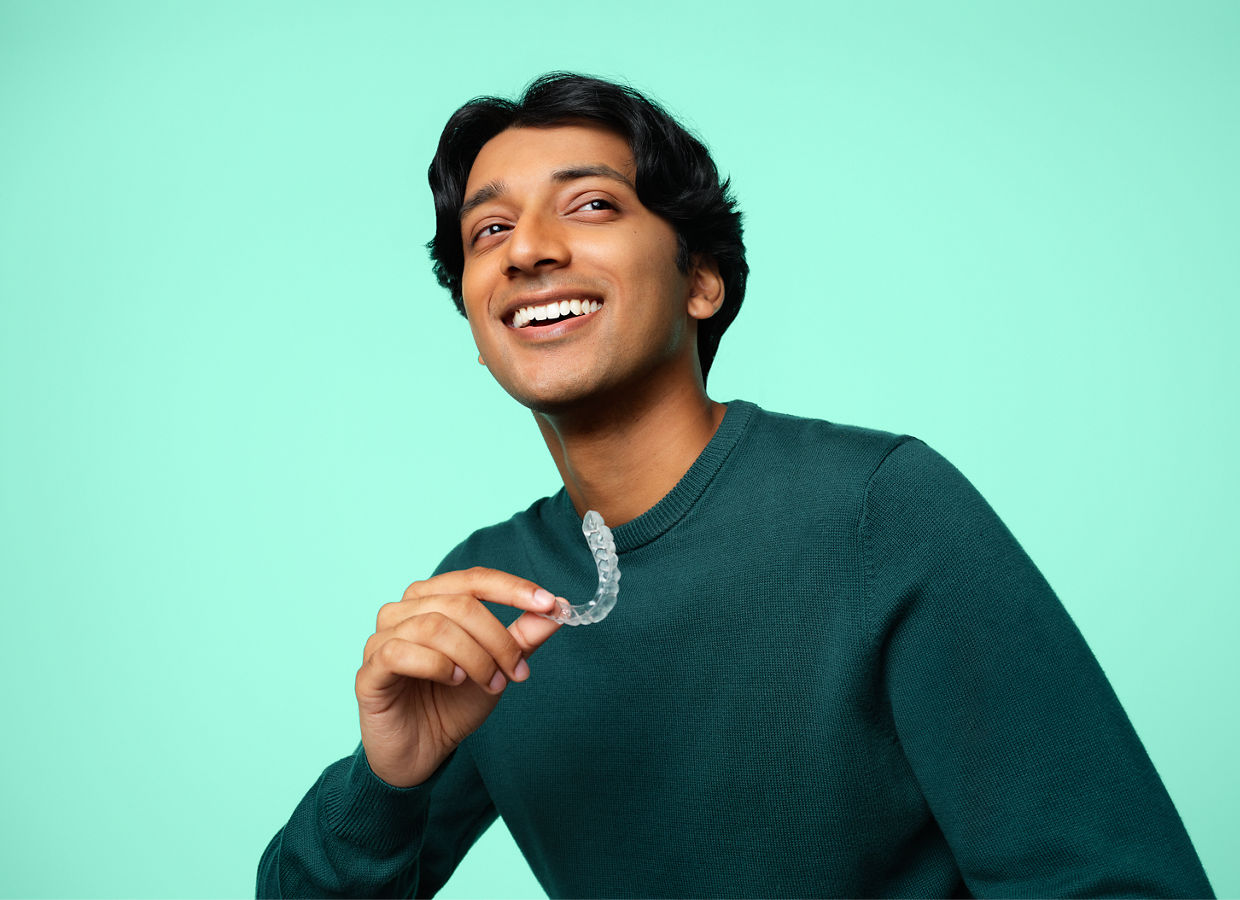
x=484 y=194
x=572 y=174
x=493 y=189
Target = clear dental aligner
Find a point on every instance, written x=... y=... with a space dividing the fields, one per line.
x=603 y=546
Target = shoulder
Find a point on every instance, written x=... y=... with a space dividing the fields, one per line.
x=846 y=457
x=914 y=482
x=920 y=512
x=882 y=476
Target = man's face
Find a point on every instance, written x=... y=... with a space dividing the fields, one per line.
x=551 y=220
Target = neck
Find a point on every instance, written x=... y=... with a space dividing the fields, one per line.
x=623 y=455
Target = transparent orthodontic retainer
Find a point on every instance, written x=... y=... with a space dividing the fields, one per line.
x=603 y=546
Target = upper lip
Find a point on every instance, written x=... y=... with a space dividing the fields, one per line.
x=542 y=298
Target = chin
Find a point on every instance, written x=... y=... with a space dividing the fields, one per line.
x=552 y=403
x=561 y=396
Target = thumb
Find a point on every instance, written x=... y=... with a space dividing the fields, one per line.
x=531 y=630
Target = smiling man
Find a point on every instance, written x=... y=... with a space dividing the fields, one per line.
x=832 y=671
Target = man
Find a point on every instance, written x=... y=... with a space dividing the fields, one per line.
x=831 y=669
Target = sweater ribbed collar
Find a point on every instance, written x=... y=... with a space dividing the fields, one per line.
x=657 y=520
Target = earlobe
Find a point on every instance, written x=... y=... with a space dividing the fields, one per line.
x=481 y=361
x=705 y=287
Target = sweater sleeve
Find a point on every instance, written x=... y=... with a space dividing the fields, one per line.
x=1022 y=751
x=354 y=835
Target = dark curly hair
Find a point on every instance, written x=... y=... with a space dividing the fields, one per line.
x=676 y=179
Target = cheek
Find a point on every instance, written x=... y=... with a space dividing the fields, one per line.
x=468 y=288
x=658 y=275
x=473 y=311
x=659 y=251
x=645 y=259
x=658 y=243
x=474 y=295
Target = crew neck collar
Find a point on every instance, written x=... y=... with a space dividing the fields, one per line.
x=657 y=520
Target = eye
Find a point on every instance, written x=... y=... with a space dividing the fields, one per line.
x=487 y=230
x=597 y=204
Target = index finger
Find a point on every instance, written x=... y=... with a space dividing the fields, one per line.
x=486 y=584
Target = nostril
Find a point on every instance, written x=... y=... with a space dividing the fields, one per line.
x=516 y=267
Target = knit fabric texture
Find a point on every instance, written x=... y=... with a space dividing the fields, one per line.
x=832 y=671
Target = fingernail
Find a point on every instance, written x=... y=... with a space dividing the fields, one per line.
x=458 y=675
x=498 y=682
x=522 y=671
x=544 y=598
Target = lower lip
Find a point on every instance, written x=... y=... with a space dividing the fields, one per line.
x=538 y=333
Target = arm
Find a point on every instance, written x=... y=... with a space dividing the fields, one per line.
x=354 y=835
x=400 y=813
x=1019 y=744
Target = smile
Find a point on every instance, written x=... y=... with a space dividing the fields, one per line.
x=549 y=312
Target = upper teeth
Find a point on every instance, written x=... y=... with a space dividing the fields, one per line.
x=554 y=310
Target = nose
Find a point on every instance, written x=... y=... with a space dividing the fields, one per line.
x=535 y=244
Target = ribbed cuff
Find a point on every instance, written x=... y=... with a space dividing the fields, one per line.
x=364 y=810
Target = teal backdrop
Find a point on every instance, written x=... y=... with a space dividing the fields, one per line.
x=238 y=414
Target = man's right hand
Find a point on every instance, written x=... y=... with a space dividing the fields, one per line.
x=437 y=664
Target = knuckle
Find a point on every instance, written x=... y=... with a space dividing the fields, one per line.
x=460 y=604
x=441 y=625
x=388 y=654
x=386 y=616
x=426 y=626
x=413 y=590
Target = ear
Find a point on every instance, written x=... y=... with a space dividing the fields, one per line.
x=481 y=361
x=705 y=287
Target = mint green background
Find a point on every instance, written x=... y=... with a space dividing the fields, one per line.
x=238 y=415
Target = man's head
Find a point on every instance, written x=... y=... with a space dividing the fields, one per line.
x=675 y=179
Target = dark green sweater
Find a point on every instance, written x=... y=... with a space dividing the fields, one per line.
x=832 y=671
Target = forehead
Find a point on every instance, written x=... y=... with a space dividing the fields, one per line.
x=532 y=154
